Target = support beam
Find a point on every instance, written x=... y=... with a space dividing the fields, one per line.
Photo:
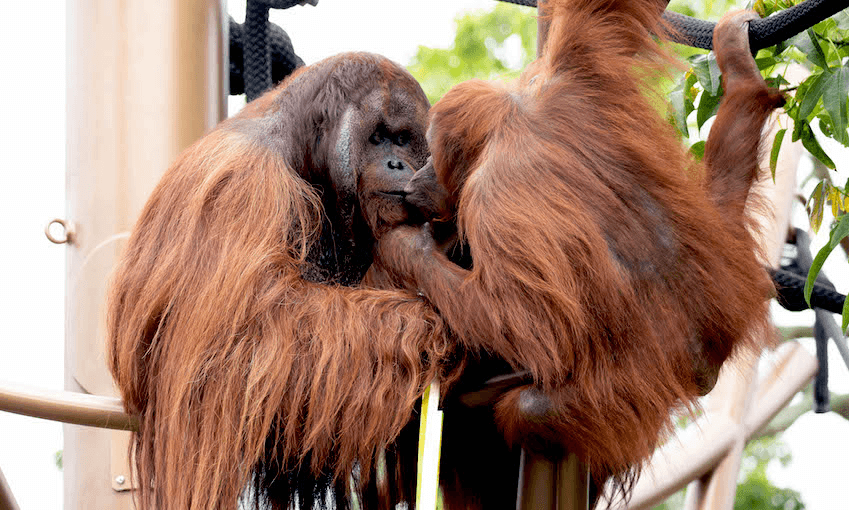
x=145 y=80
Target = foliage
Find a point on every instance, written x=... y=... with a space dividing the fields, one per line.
x=818 y=106
x=673 y=502
x=488 y=45
x=755 y=491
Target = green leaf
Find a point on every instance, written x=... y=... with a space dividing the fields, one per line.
x=776 y=147
x=776 y=82
x=708 y=105
x=836 y=200
x=690 y=80
x=811 y=90
x=681 y=105
x=845 y=315
x=765 y=62
x=676 y=102
x=835 y=100
x=707 y=72
x=842 y=19
x=809 y=141
x=808 y=43
x=840 y=231
x=825 y=126
x=799 y=123
x=816 y=203
x=698 y=149
x=715 y=74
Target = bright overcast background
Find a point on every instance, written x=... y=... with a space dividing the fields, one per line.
x=32 y=157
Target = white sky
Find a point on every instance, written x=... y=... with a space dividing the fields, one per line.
x=32 y=36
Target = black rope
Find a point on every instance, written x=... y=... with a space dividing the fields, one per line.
x=283 y=57
x=763 y=33
x=261 y=53
x=526 y=3
x=804 y=261
x=821 y=396
x=257 y=48
x=790 y=286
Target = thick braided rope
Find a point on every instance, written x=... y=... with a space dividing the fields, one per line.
x=763 y=33
x=257 y=48
x=527 y=3
x=791 y=295
x=257 y=52
x=283 y=57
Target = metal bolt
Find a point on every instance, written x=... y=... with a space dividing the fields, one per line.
x=120 y=479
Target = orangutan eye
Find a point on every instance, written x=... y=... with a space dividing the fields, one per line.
x=376 y=138
x=402 y=139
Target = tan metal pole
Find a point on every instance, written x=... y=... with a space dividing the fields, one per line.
x=145 y=79
x=537 y=483
x=66 y=406
x=7 y=498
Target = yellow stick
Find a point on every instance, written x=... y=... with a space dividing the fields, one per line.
x=430 y=442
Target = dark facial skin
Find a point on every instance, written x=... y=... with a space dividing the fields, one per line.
x=428 y=196
x=382 y=142
x=369 y=145
x=354 y=129
x=375 y=149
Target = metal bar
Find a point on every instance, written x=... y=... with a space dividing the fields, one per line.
x=537 y=479
x=65 y=406
x=543 y=483
x=543 y=24
x=7 y=498
x=572 y=491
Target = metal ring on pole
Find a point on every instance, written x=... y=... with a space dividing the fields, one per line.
x=67 y=229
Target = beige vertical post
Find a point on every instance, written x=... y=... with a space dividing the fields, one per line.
x=145 y=79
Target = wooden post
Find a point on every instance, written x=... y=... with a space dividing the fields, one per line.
x=145 y=79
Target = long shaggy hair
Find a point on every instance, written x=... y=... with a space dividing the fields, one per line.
x=606 y=262
x=241 y=370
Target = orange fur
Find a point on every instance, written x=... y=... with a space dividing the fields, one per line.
x=605 y=261
x=245 y=362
